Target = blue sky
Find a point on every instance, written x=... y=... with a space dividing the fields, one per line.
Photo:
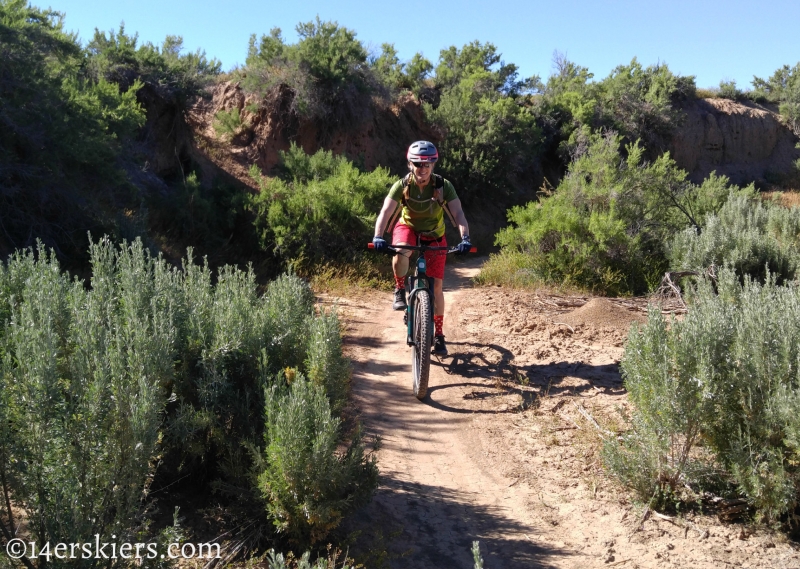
x=711 y=40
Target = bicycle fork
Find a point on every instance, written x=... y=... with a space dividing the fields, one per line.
x=415 y=284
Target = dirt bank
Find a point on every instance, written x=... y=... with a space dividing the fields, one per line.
x=379 y=137
x=741 y=140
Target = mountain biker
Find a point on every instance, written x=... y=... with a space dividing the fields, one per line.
x=420 y=200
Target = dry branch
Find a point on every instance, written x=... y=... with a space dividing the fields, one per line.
x=571 y=329
x=588 y=417
x=669 y=288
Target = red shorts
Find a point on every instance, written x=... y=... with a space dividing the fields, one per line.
x=433 y=259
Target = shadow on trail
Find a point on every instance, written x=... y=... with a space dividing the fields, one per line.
x=408 y=415
x=364 y=342
x=379 y=367
x=492 y=362
x=424 y=526
x=474 y=360
x=433 y=400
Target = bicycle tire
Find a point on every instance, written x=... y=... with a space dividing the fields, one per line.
x=421 y=352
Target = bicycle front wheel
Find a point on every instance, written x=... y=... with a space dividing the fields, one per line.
x=421 y=353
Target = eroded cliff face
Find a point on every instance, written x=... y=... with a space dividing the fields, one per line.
x=379 y=137
x=744 y=141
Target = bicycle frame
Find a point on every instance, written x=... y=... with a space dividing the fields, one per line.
x=420 y=283
x=420 y=328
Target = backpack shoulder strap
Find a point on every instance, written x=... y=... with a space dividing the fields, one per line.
x=438 y=192
x=399 y=208
x=438 y=189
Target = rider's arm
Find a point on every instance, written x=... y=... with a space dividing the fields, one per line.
x=389 y=206
x=458 y=215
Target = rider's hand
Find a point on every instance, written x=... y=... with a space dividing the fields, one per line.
x=464 y=246
x=380 y=244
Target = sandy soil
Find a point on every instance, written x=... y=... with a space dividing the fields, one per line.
x=504 y=449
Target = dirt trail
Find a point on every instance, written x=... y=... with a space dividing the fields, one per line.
x=502 y=451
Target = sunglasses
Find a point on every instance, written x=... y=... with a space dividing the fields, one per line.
x=422 y=164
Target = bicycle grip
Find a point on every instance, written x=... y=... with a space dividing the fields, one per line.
x=370 y=245
x=473 y=249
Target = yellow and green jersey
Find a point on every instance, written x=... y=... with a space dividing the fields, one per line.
x=421 y=212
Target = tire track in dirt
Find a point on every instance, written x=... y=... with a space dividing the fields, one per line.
x=436 y=494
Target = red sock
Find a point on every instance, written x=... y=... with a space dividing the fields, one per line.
x=438 y=320
x=400 y=282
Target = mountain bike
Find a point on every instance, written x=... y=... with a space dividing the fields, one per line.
x=418 y=315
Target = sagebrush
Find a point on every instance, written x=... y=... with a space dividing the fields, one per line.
x=716 y=397
x=753 y=237
x=146 y=373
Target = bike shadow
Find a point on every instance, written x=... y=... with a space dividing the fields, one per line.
x=495 y=363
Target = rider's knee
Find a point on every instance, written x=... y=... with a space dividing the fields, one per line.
x=403 y=252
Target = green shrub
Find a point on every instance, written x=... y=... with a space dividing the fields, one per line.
x=326 y=70
x=218 y=387
x=331 y=53
x=728 y=90
x=753 y=237
x=235 y=345
x=83 y=376
x=116 y=57
x=478 y=59
x=239 y=344
x=325 y=364
x=197 y=214
x=296 y=165
x=489 y=138
x=308 y=485
x=321 y=209
x=716 y=392
x=637 y=102
x=229 y=123
x=279 y=561
x=397 y=75
x=510 y=267
x=60 y=135
x=151 y=365
x=783 y=88
x=289 y=306
x=605 y=226
x=659 y=367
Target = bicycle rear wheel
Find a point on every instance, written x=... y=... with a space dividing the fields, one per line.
x=421 y=353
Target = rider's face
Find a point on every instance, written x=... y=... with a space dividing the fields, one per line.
x=422 y=171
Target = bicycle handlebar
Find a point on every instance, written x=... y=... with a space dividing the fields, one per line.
x=394 y=248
